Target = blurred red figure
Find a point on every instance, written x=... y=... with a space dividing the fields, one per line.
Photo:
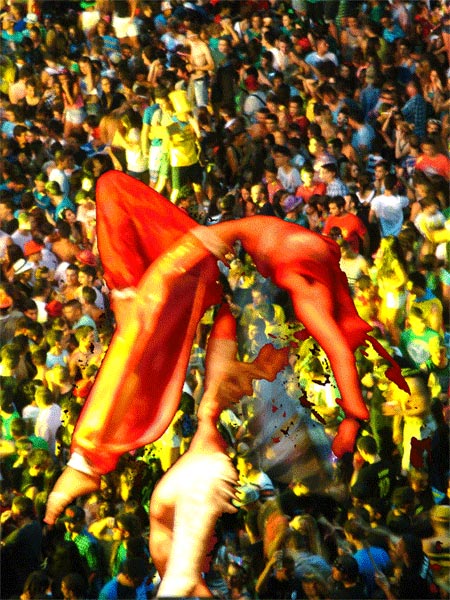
x=162 y=268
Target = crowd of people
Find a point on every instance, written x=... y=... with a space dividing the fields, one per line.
x=330 y=115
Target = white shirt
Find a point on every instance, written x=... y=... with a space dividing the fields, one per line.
x=47 y=424
x=389 y=211
x=20 y=238
x=4 y=237
x=60 y=177
x=290 y=181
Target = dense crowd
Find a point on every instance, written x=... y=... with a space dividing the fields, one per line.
x=331 y=115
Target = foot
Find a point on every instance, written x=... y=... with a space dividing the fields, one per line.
x=346 y=437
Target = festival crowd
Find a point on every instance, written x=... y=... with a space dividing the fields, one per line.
x=331 y=115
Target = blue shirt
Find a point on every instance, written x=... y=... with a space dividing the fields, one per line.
x=65 y=203
x=390 y=35
x=42 y=200
x=369 y=98
x=363 y=137
x=415 y=112
x=110 y=591
x=366 y=568
x=148 y=114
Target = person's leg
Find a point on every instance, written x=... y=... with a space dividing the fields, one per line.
x=163 y=181
x=201 y=91
x=177 y=178
x=196 y=175
x=314 y=307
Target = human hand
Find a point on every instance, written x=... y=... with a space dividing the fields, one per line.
x=5 y=516
x=71 y=484
x=397 y=437
x=390 y=409
x=382 y=581
x=276 y=558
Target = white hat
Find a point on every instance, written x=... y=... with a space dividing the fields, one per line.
x=22 y=266
x=165 y=6
x=31 y=18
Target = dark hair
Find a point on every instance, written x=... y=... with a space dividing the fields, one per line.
x=330 y=167
x=418 y=279
x=88 y=270
x=88 y=294
x=390 y=181
x=130 y=523
x=36 y=584
x=356 y=529
x=368 y=444
x=63 y=229
x=76 y=583
x=338 y=200
x=25 y=506
x=74 y=303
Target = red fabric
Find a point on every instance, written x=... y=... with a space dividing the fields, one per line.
x=144 y=242
x=139 y=385
x=135 y=225
x=306 y=264
x=431 y=165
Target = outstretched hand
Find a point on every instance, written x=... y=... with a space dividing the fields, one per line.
x=70 y=485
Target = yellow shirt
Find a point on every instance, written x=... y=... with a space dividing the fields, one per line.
x=182 y=144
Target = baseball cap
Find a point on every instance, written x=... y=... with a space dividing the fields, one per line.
x=87 y=258
x=31 y=18
x=32 y=247
x=54 y=308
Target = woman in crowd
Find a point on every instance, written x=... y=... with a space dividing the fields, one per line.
x=390 y=273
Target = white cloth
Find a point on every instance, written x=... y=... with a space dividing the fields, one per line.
x=290 y=181
x=389 y=212
x=47 y=424
x=60 y=177
x=21 y=238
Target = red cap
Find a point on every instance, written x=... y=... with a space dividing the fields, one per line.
x=54 y=308
x=5 y=300
x=32 y=247
x=87 y=258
